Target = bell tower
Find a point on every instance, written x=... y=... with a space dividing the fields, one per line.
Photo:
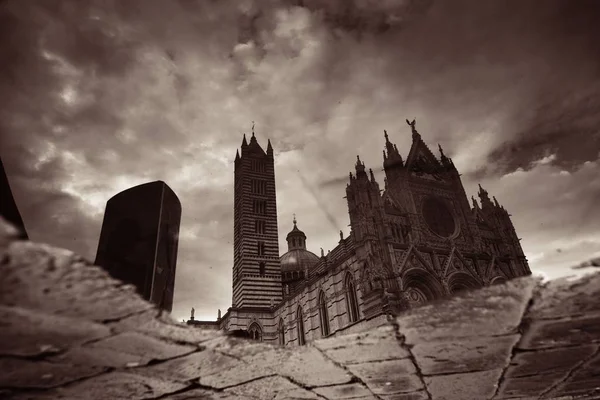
x=256 y=267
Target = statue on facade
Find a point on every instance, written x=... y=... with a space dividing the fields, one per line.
x=412 y=125
x=192 y=314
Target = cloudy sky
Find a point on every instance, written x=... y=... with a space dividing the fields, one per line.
x=99 y=96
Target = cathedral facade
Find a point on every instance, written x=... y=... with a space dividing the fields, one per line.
x=417 y=240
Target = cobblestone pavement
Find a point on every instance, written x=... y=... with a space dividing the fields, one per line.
x=70 y=332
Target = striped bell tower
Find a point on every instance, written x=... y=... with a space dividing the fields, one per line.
x=256 y=268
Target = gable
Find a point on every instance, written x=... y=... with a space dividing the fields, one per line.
x=421 y=158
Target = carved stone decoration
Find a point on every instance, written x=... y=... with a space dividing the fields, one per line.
x=415 y=296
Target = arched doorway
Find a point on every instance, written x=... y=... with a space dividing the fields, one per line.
x=497 y=280
x=459 y=281
x=421 y=287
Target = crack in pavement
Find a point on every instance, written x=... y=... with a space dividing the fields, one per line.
x=522 y=327
x=303 y=386
x=570 y=373
x=401 y=339
x=353 y=377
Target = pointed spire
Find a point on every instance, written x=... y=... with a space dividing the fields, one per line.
x=322 y=252
x=475 y=205
x=360 y=168
x=341 y=235
x=496 y=202
x=294 y=220
x=485 y=199
x=237 y=155
x=244 y=142
x=391 y=156
x=252 y=128
x=269 y=147
x=441 y=150
x=372 y=176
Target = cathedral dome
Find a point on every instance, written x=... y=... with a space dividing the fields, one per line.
x=297 y=258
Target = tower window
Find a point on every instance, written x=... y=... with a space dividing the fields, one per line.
x=261 y=269
x=257 y=165
x=259 y=206
x=261 y=248
x=259 y=226
x=259 y=186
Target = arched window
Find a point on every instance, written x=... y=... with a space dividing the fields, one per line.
x=351 y=302
x=323 y=314
x=261 y=269
x=255 y=332
x=281 y=332
x=300 y=327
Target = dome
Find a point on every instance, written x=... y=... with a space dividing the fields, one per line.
x=298 y=260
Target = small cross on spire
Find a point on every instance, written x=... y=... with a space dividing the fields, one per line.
x=294 y=219
x=252 y=128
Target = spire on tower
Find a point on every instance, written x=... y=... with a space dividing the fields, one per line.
x=237 y=155
x=269 y=147
x=372 y=176
x=244 y=142
x=252 y=128
x=294 y=219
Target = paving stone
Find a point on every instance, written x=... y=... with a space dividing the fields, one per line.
x=543 y=334
x=474 y=385
x=237 y=347
x=123 y=350
x=56 y=281
x=19 y=373
x=191 y=367
x=203 y=394
x=584 y=380
x=266 y=388
x=309 y=367
x=388 y=377
x=491 y=311
x=297 y=394
x=527 y=386
x=543 y=362
x=163 y=326
x=117 y=386
x=30 y=333
x=567 y=298
x=227 y=377
x=420 y=395
x=377 y=345
x=475 y=354
x=351 y=391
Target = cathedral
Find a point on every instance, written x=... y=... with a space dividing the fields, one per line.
x=418 y=240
